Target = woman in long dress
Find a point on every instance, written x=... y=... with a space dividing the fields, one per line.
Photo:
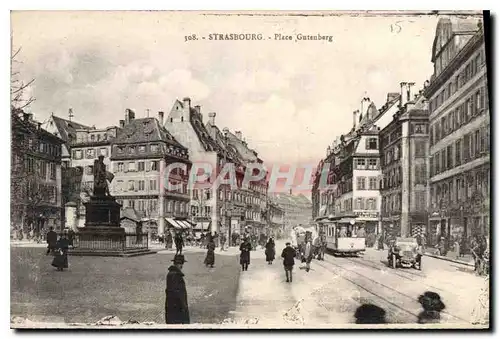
x=210 y=257
x=481 y=311
x=61 y=254
x=270 y=251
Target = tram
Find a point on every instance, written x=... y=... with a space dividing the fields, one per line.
x=344 y=235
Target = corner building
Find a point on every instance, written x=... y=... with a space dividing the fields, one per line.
x=459 y=164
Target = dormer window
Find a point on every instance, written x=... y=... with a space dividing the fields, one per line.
x=120 y=149
x=92 y=137
x=142 y=148
x=154 y=148
x=131 y=150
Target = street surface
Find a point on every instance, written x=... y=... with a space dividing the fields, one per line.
x=129 y=288
x=334 y=288
x=133 y=288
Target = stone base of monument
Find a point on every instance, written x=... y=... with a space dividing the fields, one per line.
x=102 y=234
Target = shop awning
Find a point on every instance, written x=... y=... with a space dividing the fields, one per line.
x=184 y=224
x=173 y=223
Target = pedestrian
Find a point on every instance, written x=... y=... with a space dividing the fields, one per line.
x=176 y=304
x=168 y=240
x=370 y=314
x=481 y=312
x=270 y=251
x=308 y=254
x=51 y=240
x=60 y=260
x=210 y=257
x=288 y=254
x=179 y=243
x=432 y=305
x=245 y=249
x=222 y=241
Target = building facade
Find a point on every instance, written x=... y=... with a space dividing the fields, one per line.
x=82 y=146
x=185 y=122
x=297 y=209
x=141 y=154
x=459 y=165
x=404 y=153
x=36 y=183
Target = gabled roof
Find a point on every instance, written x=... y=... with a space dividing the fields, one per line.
x=207 y=142
x=229 y=149
x=457 y=25
x=66 y=128
x=144 y=130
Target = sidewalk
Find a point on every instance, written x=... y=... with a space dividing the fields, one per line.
x=431 y=252
x=465 y=260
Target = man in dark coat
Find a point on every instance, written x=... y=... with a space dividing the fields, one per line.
x=245 y=249
x=176 y=305
x=51 y=240
x=288 y=254
x=179 y=243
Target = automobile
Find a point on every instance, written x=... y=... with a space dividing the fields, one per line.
x=405 y=252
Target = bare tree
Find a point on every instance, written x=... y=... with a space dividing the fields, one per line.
x=18 y=87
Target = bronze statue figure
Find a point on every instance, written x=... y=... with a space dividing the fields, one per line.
x=101 y=176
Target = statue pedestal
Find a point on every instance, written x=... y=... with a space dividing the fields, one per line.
x=102 y=234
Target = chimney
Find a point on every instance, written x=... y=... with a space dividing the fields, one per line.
x=186 y=111
x=410 y=91
x=122 y=123
x=365 y=102
x=160 y=117
x=238 y=135
x=129 y=116
x=211 y=118
x=355 y=119
x=403 y=97
x=197 y=108
x=39 y=125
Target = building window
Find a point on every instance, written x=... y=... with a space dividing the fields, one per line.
x=154 y=148
x=360 y=163
x=121 y=167
x=360 y=183
x=373 y=164
x=420 y=174
x=359 y=204
x=420 y=204
x=152 y=185
x=154 y=165
x=89 y=170
x=90 y=153
x=458 y=152
x=140 y=166
x=131 y=150
x=77 y=154
x=373 y=183
x=52 y=170
x=103 y=152
x=141 y=185
x=131 y=167
x=371 y=143
x=131 y=185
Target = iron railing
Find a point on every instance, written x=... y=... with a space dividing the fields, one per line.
x=112 y=242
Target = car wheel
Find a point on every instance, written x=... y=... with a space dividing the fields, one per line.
x=393 y=261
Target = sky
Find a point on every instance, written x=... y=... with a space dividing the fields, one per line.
x=290 y=99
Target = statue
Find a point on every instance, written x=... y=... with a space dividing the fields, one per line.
x=101 y=176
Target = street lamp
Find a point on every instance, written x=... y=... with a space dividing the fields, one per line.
x=226 y=225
